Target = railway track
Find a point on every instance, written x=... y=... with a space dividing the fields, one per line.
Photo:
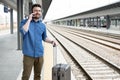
x=110 y=35
x=95 y=66
x=103 y=48
x=94 y=34
x=100 y=37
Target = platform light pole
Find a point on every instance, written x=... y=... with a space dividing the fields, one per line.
x=19 y=18
x=11 y=21
x=6 y=21
x=6 y=10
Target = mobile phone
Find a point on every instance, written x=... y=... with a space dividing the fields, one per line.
x=33 y=16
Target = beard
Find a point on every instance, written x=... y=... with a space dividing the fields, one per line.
x=36 y=16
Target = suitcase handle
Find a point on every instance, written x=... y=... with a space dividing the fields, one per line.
x=54 y=55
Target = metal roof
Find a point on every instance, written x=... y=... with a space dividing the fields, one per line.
x=13 y=4
x=106 y=7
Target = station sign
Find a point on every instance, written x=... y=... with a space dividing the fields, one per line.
x=6 y=10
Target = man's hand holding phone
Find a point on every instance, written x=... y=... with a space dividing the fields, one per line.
x=26 y=26
x=31 y=16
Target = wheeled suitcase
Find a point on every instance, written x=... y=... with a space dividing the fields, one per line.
x=60 y=71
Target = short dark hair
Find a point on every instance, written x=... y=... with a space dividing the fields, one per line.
x=36 y=5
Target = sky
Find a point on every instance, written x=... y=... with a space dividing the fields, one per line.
x=63 y=8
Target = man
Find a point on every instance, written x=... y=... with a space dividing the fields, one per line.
x=33 y=32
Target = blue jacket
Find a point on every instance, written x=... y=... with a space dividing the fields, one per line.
x=32 y=39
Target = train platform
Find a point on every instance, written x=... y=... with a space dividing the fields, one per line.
x=11 y=58
x=103 y=30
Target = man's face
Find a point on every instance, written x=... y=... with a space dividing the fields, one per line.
x=38 y=12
